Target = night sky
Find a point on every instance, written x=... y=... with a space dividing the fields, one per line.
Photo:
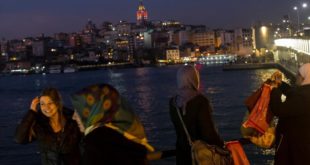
x=22 y=18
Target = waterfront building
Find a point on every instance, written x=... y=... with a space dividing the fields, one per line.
x=243 y=41
x=28 y=41
x=90 y=27
x=110 y=36
x=122 y=43
x=39 y=47
x=229 y=40
x=4 y=48
x=105 y=27
x=64 y=37
x=262 y=38
x=123 y=28
x=181 y=37
x=75 y=40
x=171 y=25
x=88 y=38
x=187 y=53
x=131 y=48
x=173 y=54
x=204 y=39
x=89 y=33
x=17 y=46
x=219 y=37
x=141 y=37
x=146 y=38
x=160 y=39
x=142 y=14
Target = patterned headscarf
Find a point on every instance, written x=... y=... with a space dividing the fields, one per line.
x=304 y=71
x=101 y=105
x=188 y=85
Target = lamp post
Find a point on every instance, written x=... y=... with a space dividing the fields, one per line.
x=296 y=8
x=303 y=5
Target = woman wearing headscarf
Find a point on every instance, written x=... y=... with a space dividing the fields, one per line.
x=113 y=133
x=195 y=110
x=293 y=131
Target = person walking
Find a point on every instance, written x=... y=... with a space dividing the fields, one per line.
x=52 y=126
x=196 y=112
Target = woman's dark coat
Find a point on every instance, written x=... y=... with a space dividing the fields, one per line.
x=56 y=148
x=199 y=122
x=293 y=129
x=106 y=146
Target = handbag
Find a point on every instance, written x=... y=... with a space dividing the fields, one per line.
x=237 y=153
x=206 y=154
x=265 y=140
x=253 y=98
x=261 y=138
x=260 y=117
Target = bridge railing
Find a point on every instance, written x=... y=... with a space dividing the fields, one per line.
x=300 y=45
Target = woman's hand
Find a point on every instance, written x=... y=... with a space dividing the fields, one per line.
x=276 y=77
x=34 y=104
x=79 y=122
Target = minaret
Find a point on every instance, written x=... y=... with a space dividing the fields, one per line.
x=141 y=14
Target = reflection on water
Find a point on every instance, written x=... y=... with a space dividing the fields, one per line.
x=148 y=90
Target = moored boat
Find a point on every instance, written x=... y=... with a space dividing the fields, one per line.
x=54 y=69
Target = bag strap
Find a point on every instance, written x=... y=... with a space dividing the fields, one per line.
x=183 y=124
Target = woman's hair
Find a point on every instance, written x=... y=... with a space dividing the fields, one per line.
x=54 y=94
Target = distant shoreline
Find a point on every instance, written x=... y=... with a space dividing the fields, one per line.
x=273 y=65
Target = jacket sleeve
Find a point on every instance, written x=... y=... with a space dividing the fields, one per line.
x=285 y=88
x=207 y=127
x=289 y=107
x=22 y=132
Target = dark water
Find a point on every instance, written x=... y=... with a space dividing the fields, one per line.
x=148 y=89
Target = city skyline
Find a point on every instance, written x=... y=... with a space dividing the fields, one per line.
x=32 y=18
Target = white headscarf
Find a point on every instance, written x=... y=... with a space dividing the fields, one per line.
x=188 y=85
x=304 y=71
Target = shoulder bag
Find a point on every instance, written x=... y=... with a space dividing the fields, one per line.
x=206 y=154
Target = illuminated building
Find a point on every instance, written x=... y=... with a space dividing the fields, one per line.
x=141 y=14
x=173 y=54
x=204 y=38
x=262 y=38
x=243 y=41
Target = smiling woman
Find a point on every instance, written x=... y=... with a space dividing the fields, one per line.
x=57 y=133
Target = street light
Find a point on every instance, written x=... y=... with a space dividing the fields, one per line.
x=296 y=8
x=303 y=5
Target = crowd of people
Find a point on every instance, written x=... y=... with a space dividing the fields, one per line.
x=102 y=128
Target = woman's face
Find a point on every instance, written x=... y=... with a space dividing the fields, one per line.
x=48 y=107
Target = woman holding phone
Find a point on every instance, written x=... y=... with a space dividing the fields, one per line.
x=52 y=126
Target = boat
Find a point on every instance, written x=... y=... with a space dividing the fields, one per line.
x=54 y=69
x=69 y=69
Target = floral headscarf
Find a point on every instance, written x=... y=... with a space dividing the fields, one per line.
x=101 y=105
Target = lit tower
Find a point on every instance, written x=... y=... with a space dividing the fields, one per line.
x=141 y=14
